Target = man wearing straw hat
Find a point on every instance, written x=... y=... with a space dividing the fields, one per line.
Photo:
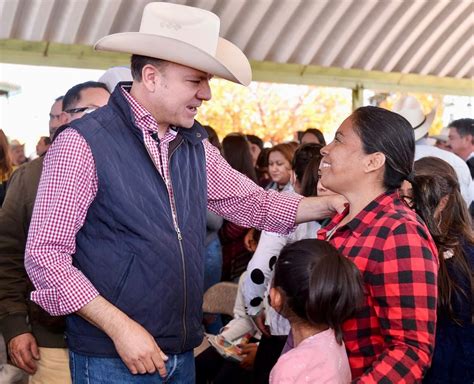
x=116 y=238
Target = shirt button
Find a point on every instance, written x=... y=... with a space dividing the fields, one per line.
x=198 y=135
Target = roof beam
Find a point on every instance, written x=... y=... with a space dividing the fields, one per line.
x=81 y=56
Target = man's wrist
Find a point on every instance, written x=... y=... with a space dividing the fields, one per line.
x=14 y=325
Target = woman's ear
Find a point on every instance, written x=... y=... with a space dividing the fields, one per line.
x=374 y=162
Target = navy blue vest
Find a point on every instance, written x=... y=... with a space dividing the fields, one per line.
x=129 y=247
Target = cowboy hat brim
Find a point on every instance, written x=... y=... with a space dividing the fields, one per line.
x=423 y=129
x=229 y=62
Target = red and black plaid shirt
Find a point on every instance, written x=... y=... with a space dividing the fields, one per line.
x=391 y=339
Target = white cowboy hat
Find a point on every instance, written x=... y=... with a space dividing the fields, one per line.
x=410 y=108
x=185 y=35
x=115 y=75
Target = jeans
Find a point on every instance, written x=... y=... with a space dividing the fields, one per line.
x=212 y=264
x=111 y=370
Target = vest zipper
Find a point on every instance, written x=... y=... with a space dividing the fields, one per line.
x=174 y=214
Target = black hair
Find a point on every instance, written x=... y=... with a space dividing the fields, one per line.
x=236 y=151
x=451 y=228
x=137 y=62
x=316 y=132
x=255 y=140
x=46 y=139
x=318 y=284
x=306 y=157
x=381 y=130
x=463 y=126
x=73 y=95
x=213 y=137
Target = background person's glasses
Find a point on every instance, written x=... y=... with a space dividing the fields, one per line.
x=81 y=109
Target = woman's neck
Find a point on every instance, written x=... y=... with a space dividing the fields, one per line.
x=302 y=330
x=358 y=200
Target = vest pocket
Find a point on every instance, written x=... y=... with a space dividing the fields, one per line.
x=121 y=282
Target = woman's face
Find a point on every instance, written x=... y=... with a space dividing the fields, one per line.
x=279 y=168
x=343 y=163
x=309 y=138
x=322 y=190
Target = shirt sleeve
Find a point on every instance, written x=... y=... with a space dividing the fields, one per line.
x=403 y=286
x=238 y=199
x=67 y=187
x=260 y=270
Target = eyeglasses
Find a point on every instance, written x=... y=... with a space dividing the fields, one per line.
x=81 y=109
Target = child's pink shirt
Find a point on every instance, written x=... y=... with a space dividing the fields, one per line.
x=317 y=359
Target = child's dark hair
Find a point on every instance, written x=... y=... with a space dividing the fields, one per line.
x=318 y=284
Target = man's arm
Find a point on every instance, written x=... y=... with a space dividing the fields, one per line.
x=14 y=221
x=135 y=346
x=238 y=199
x=406 y=307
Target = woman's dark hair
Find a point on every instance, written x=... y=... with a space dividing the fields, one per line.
x=381 y=130
x=212 y=137
x=450 y=228
x=319 y=285
x=235 y=149
x=6 y=167
x=315 y=132
x=306 y=157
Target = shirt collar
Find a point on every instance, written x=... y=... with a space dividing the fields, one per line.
x=364 y=218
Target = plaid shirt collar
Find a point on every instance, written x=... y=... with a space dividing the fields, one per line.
x=143 y=118
x=364 y=218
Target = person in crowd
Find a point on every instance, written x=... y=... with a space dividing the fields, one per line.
x=43 y=145
x=213 y=257
x=436 y=197
x=410 y=108
x=274 y=327
x=116 y=240
x=6 y=166
x=279 y=166
x=17 y=153
x=461 y=140
x=391 y=338
x=55 y=120
x=317 y=290
x=442 y=140
x=313 y=135
x=35 y=339
x=236 y=151
x=256 y=146
x=240 y=331
x=261 y=168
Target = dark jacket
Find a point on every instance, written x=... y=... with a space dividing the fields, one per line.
x=129 y=247
x=18 y=314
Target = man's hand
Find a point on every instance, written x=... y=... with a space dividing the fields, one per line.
x=320 y=207
x=138 y=349
x=24 y=352
x=135 y=346
x=248 y=351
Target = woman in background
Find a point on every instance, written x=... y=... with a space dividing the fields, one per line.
x=279 y=166
x=435 y=195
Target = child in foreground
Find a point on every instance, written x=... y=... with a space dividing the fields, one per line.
x=316 y=289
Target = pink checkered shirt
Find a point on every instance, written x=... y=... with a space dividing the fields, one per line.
x=69 y=185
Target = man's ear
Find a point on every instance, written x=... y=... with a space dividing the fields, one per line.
x=64 y=118
x=150 y=77
x=374 y=162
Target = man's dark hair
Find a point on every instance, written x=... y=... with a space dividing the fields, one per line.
x=255 y=140
x=137 y=62
x=72 y=96
x=46 y=140
x=318 y=284
x=463 y=126
x=381 y=130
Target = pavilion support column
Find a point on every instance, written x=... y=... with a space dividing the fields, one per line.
x=357 y=97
